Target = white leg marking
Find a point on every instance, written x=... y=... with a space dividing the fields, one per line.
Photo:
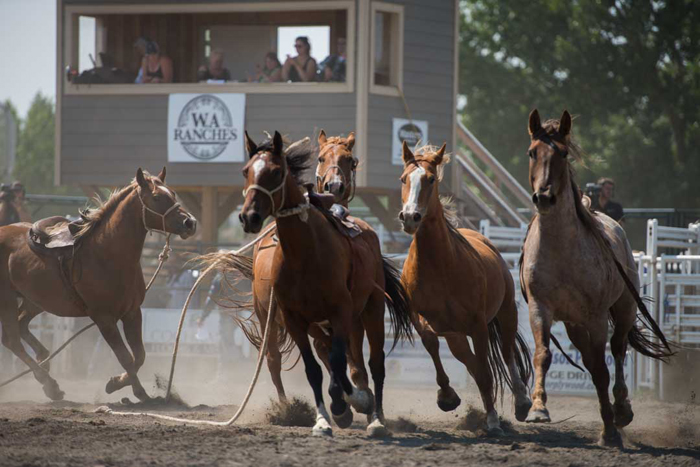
x=323 y=424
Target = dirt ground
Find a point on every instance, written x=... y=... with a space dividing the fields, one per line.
x=36 y=432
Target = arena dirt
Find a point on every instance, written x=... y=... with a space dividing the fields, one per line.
x=36 y=432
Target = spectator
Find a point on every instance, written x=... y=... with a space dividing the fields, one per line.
x=140 y=48
x=156 y=68
x=215 y=69
x=270 y=73
x=604 y=202
x=18 y=190
x=303 y=66
x=332 y=69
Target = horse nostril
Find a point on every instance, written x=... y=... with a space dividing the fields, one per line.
x=416 y=217
x=327 y=188
x=189 y=223
x=341 y=189
x=401 y=216
x=241 y=218
x=535 y=198
x=254 y=218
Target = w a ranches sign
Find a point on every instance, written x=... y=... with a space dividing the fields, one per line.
x=206 y=127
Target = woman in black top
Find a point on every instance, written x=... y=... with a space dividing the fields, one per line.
x=303 y=66
x=156 y=68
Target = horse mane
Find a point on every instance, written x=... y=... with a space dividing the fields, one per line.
x=299 y=158
x=94 y=217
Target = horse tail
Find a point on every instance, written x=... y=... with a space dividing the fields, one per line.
x=397 y=302
x=638 y=339
x=523 y=359
x=498 y=368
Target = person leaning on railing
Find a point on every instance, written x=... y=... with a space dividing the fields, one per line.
x=156 y=68
x=303 y=66
x=270 y=73
x=215 y=69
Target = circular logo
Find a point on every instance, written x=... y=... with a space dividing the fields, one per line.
x=205 y=127
x=411 y=134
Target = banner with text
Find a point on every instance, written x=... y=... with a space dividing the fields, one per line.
x=206 y=127
x=411 y=131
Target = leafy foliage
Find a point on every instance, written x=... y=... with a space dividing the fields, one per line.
x=629 y=69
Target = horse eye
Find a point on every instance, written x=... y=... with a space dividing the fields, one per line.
x=245 y=173
x=403 y=180
x=431 y=180
x=322 y=160
x=354 y=163
x=532 y=154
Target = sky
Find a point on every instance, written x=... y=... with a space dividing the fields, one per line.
x=27 y=51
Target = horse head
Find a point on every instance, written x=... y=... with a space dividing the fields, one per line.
x=548 y=151
x=265 y=178
x=160 y=209
x=419 y=190
x=336 y=167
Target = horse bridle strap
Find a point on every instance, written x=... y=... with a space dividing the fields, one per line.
x=145 y=208
x=548 y=139
x=342 y=175
x=270 y=193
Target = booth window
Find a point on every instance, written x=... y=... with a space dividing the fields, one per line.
x=387 y=48
x=155 y=44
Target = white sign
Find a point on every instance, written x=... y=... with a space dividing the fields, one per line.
x=411 y=131
x=206 y=127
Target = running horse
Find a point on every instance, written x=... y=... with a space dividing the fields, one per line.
x=459 y=285
x=335 y=173
x=96 y=273
x=577 y=267
x=8 y=211
x=321 y=279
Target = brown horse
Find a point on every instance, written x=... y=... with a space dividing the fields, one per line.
x=458 y=286
x=577 y=267
x=322 y=280
x=103 y=280
x=8 y=211
x=335 y=173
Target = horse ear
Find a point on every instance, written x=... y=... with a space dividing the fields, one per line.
x=322 y=138
x=407 y=155
x=565 y=124
x=439 y=155
x=161 y=175
x=250 y=146
x=277 y=144
x=535 y=124
x=141 y=179
x=350 y=141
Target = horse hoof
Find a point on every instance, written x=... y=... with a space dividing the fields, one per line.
x=522 y=411
x=362 y=401
x=322 y=428
x=623 y=414
x=612 y=439
x=538 y=416
x=495 y=432
x=142 y=395
x=114 y=384
x=344 y=420
x=52 y=391
x=376 y=429
x=448 y=400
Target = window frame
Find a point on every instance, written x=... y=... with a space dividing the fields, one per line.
x=71 y=45
x=397 y=49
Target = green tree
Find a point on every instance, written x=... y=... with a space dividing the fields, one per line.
x=630 y=70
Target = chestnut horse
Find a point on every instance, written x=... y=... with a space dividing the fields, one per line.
x=335 y=173
x=322 y=279
x=577 y=267
x=459 y=285
x=103 y=280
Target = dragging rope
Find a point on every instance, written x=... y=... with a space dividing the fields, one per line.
x=229 y=422
x=162 y=258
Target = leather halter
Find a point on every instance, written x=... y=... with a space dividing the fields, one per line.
x=145 y=208
x=279 y=212
x=342 y=175
x=548 y=139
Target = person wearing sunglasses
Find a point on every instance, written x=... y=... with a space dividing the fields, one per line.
x=303 y=66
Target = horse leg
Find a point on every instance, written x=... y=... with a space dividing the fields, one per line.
x=133 y=332
x=29 y=312
x=624 y=312
x=361 y=398
x=447 y=398
x=11 y=340
x=541 y=323
x=110 y=332
x=590 y=341
x=373 y=322
x=508 y=319
x=322 y=344
x=340 y=384
x=478 y=367
x=314 y=374
x=273 y=355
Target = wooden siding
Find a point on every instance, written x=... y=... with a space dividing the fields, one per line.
x=428 y=74
x=106 y=138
